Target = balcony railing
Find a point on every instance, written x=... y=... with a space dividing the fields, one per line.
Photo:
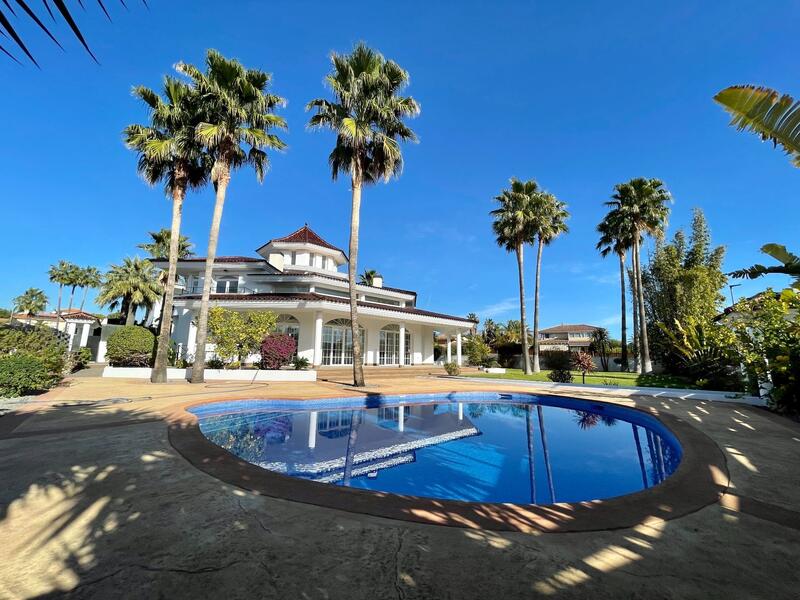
x=198 y=289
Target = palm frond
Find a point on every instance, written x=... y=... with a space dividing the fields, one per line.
x=765 y=112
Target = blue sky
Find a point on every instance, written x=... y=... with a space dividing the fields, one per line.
x=578 y=95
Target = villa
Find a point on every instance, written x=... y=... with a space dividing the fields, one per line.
x=572 y=338
x=76 y=325
x=298 y=278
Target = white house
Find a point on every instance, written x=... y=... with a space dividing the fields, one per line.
x=565 y=337
x=298 y=278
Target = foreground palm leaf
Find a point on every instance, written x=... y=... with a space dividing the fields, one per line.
x=7 y=27
x=767 y=113
x=790 y=266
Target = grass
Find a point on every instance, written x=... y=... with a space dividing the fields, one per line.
x=600 y=378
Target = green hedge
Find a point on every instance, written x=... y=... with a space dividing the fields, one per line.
x=22 y=374
x=130 y=346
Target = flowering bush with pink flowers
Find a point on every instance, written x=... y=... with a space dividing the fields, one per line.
x=277 y=350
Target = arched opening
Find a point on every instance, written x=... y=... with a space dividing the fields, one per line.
x=337 y=342
x=389 y=346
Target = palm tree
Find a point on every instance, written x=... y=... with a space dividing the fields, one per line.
x=601 y=345
x=130 y=285
x=368 y=277
x=237 y=115
x=32 y=301
x=73 y=280
x=169 y=153
x=60 y=273
x=90 y=278
x=641 y=205
x=367 y=116
x=65 y=14
x=790 y=265
x=766 y=113
x=513 y=228
x=473 y=317
x=615 y=237
x=550 y=215
x=159 y=244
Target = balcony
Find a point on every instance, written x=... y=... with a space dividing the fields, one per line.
x=198 y=290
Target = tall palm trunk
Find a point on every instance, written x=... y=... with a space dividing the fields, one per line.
x=623 y=366
x=350 y=452
x=637 y=364
x=352 y=270
x=199 y=366
x=159 y=374
x=131 y=314
x=523 y=325
x=85 y=293
x=58 y=307
x=537 y=282
x=71 y=298
x=647 y=366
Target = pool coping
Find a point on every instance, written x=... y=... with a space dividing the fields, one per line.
x=700 y=480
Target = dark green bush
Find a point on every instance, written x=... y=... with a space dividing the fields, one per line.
x=42 y=342
x=80 y=359
x=301 y=363
x=215 y=363
x=130 y=346
x=557 y=360
x=22 y=374
x=560 y=376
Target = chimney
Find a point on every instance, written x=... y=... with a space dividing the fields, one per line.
x=377 y=281
x=276 y=260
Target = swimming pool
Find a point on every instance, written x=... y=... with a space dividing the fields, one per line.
x=471 y=446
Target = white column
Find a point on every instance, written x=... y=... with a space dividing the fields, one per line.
x=312 y=429
x=318 y=339
x=458 y=348
x=402 y=344
x=401 y=418
x=191 y=338
x=449 y=350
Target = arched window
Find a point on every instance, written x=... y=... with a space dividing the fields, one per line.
x=337 y=342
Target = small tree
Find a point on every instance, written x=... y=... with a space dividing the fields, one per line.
x=277 y=350
x=238 y=335
x=477 y=351
x=601 y=346
x=584 y=363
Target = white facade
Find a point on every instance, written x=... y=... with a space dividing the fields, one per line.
x=297 y=278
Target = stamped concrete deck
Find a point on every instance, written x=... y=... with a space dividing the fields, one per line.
x=96 y=502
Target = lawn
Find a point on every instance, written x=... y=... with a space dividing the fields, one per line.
x=600 y=378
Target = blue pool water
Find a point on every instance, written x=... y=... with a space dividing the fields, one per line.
x=476 y=446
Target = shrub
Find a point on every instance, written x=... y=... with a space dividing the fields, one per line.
x=507 y=353
x=22 y=374
x=557 y=360
x=452 y=368
x=130 y=346
x=79 y=359
x=477 y=351
x=560 y=376
x=215 y=363
x=40 y=341
x=300 y=363
x=494 y=364
x=277 y=350
x=234 y=365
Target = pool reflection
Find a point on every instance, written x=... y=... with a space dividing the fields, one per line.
x=475 y=451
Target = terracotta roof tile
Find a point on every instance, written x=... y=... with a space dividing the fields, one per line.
x=305 y=235
x=569 y=329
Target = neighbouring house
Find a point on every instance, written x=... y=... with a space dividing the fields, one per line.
x=75 y=323
x=298 y=278
x=572 y=338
